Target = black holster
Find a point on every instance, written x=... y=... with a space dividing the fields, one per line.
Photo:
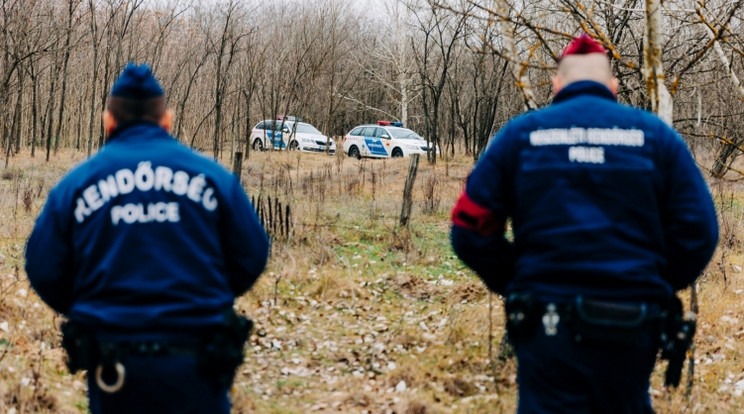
x=677 y=331
x=223 y=353
x=80 y=345
x=523 y=314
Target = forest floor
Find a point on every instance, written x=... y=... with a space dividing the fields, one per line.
x=355 y=314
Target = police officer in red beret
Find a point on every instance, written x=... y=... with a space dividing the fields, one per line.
x=610 y=217
x=144 y=249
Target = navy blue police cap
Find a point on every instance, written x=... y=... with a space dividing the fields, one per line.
x=136 y=82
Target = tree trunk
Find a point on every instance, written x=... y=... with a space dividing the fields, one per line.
x=65 y=61
x=18 y=114
x=727 y=152
x=653 y=66
x=94 y=77
x=510 y=50
x=34 y=110
x=50 y=110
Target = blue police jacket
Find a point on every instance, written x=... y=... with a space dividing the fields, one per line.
x=605 y=201
x=146 y=235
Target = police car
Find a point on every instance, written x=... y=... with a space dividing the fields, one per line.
x=384 y=139
x=289 y=133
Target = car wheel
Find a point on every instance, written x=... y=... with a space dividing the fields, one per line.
x=294 y=146
x=258 y=145
x=397 y=153
x=354 y=152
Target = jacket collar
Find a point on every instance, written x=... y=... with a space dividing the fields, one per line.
x=134 y=128
x=585 y=87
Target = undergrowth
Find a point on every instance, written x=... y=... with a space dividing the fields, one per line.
x=354 y=313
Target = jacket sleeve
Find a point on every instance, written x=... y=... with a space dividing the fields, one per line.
x=478 y=220
x=245 y=241
x=49 y=256
x=481 y=245
x=691 y=225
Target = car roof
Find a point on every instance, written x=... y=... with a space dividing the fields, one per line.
x=279 y=121
x=380 y=126
x=370 y=125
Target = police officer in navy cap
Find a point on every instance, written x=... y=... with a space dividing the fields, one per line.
x=610 y=217
x=144 y=249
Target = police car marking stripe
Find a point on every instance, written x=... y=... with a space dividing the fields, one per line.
x=375 y=146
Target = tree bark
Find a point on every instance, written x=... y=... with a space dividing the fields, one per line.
x=518 y=69
x=653 y=65
x=72 y=5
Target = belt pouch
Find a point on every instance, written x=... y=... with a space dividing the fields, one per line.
x=609 y=323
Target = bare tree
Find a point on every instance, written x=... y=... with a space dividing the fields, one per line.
x=224 y=49
x=21 y=39
x=442 y=32
x=453 y=69
x=653 y=68
x=67 y=50
x=518 y=66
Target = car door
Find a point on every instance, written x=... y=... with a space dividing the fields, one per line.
x=273 y=133
x=281 y=132
x=386 y=139
x=373 y=142
x=258 y=133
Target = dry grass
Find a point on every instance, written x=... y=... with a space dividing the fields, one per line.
x=354 y=314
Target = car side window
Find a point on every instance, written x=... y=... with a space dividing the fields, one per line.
x=368 y=132
x=379 y=132
x=261 y=125
x=356 y=131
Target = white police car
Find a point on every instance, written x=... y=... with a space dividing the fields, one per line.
x=384 y=139
x=289 y=133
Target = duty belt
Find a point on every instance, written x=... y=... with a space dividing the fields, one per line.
x=588 y=319
x=112 y=354
x=612 y=324
x=218 y=354
x=156 y=348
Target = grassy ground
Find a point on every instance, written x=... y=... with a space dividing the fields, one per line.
x=355 y=314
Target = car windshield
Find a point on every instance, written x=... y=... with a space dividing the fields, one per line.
x=307 y=129
x=403 y=133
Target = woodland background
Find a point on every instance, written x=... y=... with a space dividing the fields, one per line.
x=357 y=313
x=452 y=70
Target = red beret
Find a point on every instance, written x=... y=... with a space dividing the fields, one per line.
x=583 y=45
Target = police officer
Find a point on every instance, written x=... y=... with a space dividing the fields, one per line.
x=144 y=248
x=610 y=216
